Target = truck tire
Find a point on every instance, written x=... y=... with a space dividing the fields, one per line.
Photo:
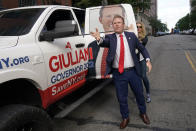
x=24 y=118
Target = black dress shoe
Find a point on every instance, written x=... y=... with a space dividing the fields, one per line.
x=124 y=123
x=145 y=118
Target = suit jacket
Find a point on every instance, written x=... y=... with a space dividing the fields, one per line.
x=110 y=41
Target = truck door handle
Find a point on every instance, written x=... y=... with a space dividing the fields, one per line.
x=80 y=45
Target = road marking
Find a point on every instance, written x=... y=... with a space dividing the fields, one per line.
x=189 y=56
x=192 y=58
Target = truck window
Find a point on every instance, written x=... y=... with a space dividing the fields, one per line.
x=80 y=15
x=18 y=22
x=61 y=21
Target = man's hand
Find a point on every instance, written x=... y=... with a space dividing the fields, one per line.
x=149 y=65
x=96 y=35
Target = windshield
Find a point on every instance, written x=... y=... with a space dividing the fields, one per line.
x=18 y=22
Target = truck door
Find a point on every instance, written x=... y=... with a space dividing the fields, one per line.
x=65 y=53
x=101 y=17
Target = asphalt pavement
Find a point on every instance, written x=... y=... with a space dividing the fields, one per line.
x=173 y=93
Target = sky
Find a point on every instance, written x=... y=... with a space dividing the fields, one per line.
x=170 y=11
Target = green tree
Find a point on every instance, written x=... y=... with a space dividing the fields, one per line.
x=193 y=19
x=137 y=4
x=183 y=23
x=193 y=15
x=157 y=25
x=86 y=3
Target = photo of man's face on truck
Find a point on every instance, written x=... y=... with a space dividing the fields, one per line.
x=102 y=17
x=107 y=14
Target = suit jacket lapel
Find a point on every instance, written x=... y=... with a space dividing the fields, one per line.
x=114 y=43
x=129 y=40
x=114 y=39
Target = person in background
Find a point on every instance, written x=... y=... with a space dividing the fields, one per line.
x=143 y=39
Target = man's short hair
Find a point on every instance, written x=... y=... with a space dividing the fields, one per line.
x=103 y=7
x=118 y=16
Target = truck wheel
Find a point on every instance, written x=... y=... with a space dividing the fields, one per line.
x=24 y=118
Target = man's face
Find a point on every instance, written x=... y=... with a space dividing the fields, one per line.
x=118 y=25
x=107 y=17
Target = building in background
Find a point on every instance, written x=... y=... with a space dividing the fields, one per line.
x=144 y=15
x=193 y=7
x=6 y=4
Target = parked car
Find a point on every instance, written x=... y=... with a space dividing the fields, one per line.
x=159 y=33
x=194 y=32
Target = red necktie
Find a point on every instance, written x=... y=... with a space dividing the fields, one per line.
x=122 y=54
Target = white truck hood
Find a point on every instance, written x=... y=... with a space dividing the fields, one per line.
x=8 y=41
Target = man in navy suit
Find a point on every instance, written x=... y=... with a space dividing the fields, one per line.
x=123 y=63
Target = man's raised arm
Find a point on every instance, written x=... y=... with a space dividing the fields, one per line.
x=96 y=35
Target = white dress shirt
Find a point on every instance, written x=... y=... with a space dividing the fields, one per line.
x=128 y=60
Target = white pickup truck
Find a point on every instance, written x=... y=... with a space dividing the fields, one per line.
x=45 y=54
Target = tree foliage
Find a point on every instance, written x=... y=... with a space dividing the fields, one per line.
x=193 y=19
x=136 y=4
x=193 y=3
x=86 y=3
x=183 y=23
x=188 y=21
x=193 y=14
x=157 y=25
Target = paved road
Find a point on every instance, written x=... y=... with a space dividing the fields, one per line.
x=173 y=92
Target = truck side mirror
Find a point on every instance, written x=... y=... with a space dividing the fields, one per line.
x=63 y=28
x=47 y=36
